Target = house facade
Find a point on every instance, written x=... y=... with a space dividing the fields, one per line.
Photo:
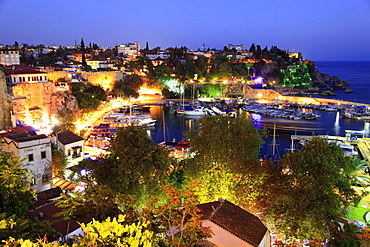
x=34 y=151
x=9 y=57
x=24 y=74
x=130 y=49
x=73 y=146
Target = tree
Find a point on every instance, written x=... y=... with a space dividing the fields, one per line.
x=16 y=195
x=59 y=161
x=226 y=157
x=178 y=218
x=311 y=189
x=110 y=232
x=135 y=165
x=69 y=207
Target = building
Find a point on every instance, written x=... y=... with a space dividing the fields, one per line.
x=236 y=47
x=9 y=57
x=158 y=54
x=233 y=226
x=73 y=147
x=130 y=49
x=35 y=152
x=24 y=74
x=99 y=63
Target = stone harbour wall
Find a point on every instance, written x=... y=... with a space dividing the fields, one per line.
x=249 y=93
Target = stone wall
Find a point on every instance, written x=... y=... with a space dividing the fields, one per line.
x=6 y=107
x=54 y=76
x=247 y=92
x=105 y=79
x=36 y=102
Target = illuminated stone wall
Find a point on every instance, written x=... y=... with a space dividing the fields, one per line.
x=5 y=105
x=105 y=79
x=54 y=76
x=266 y=94
x=37 y=102
x=247 y=92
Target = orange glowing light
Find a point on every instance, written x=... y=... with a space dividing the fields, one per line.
x=146 y=90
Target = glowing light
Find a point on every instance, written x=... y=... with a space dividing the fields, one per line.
x=145 y=90
x=174 y=86
x=258 y=80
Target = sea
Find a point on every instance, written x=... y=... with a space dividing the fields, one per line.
x=170 y=127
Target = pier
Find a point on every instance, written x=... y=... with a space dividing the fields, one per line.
x=364 y=148
x=362 y=143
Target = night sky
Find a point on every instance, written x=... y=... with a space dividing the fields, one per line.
x=322 y=30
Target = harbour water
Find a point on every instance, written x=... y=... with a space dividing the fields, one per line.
x=330 y=123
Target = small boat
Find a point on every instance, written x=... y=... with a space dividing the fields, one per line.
x=195 y=112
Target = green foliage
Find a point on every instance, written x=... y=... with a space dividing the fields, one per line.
x=311 y=188
x=111 y=232
x=212 y=90
x=177 y=218
x=88 y=96
x=69 y=207
x=138 y=166
x=99 y=202
x=59 y=161
x=226 y=158
x=345 y=234
x=16 y=195
x=24 y=228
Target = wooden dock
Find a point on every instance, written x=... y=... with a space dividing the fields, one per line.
x=363 y=146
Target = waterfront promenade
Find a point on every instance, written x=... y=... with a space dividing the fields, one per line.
x=321 y=101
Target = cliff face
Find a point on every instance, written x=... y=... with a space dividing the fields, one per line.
x=38 y=102
x=6 y=106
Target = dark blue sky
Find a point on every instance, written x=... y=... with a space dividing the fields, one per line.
x=320 y=29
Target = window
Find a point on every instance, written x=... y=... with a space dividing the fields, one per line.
x=43 y=155
x=30 y=157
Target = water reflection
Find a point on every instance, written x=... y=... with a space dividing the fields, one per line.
x=337 y=124
x=170 y=126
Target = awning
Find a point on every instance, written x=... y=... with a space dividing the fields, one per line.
x=63 y=184
x=77 y=147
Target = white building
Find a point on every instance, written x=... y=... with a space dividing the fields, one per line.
x=24 y=74
x=34 y=150
x=131 y=49
x=73 y=146
x=99 y=63
x=9 y=57
x=159 y=54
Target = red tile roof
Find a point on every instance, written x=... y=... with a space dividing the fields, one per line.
x=21 y=69
x=67 y=137
x=235 y=220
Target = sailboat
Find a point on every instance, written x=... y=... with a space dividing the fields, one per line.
x=275 y=150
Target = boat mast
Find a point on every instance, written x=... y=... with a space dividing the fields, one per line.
x=164 y=126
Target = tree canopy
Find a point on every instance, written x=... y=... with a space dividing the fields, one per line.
x=226 y=157
x=309 y=189
x=138 y=166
